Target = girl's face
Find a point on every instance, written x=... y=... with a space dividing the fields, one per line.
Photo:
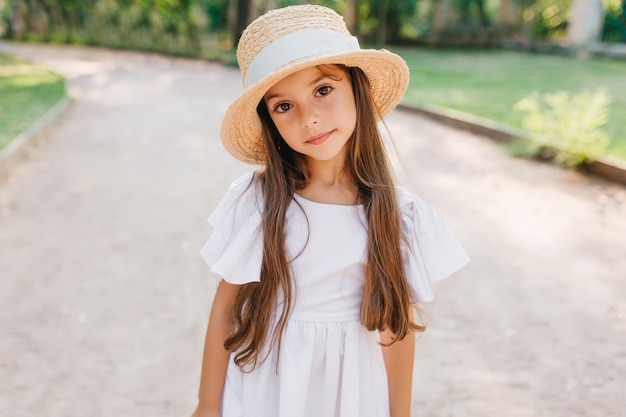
x=314 y=111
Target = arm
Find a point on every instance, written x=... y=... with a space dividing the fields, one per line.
x=215 y=359
x=399 y=365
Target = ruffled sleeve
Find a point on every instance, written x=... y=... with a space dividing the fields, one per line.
x=430 y=251
x=235 y=249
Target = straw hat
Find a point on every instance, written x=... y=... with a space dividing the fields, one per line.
x=287 y=40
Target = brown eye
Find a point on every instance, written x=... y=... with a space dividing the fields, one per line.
x=324 y=90
x=282 y=107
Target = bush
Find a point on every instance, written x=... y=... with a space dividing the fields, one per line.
x=173 y=26
x=614 y=29
x=568 y=127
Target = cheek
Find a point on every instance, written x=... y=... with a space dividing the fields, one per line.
x=285 y=128
x=350 y=116
x=346 y=107
x=282 y=126
x=278 y=122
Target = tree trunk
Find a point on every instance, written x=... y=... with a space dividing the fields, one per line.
x=394 y=23
x=270 y=5
x=441 y=15
x=381 y=29
x=191 y=30
x=622 y=17
x=482 y=15
x=509 y=12
x=56 y=16
x=351 y=16
x=529 y=17
x=16 y=24
x=585 y=26
x=240 y=18
x=255 y=11
x=509 y=17
x=463 y=10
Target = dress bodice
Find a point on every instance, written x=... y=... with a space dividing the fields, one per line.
x=327 y=248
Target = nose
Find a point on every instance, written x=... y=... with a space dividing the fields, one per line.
x=309 y=116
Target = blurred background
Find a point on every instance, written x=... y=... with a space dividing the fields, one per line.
x=200 y=26
x=105 y=298
x=467 y=55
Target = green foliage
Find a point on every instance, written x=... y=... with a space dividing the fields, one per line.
x=5 y=17
x=27 y=91
x=489 y=83
x=570 y=125
x=211 y=14
x=173 y=26
x=181 y=26
x=614 y=29
x=552 y=18
x=470 y=12
x=400 y=19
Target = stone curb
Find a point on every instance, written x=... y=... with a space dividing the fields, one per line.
x=18 y=148
x=605 y=167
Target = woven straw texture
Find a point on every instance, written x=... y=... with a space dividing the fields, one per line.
x=241 y=127
x=275 y=24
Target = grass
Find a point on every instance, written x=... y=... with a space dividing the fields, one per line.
x=489 y=83
x=27 y=91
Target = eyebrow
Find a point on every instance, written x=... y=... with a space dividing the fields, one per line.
x=315 y=81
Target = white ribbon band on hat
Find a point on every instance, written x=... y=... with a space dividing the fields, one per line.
x=295 y=46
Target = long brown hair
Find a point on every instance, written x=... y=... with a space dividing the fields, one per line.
x=386 y=296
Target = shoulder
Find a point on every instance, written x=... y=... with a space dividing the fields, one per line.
x=415 y=213
x=406 y=198
x=235 y=249
x=242 y=198
x=247 y=183
x=431 y=251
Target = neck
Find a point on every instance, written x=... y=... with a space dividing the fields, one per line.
x=329 y=183
x=328 y=173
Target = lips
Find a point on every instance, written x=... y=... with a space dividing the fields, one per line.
x=319 y=139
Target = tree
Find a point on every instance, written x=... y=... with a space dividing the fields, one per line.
x=390 y=17
x=441 y=15
x=240 y=19
x=191 y=29
x=16 y=24
x=351 y=16
x=381 y=29
x=270 y=5
x=482 y=15
x=585 y=26
x=509 y=16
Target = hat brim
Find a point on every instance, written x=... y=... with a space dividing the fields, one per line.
x=241 y=127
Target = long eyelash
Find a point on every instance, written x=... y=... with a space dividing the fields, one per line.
x=275 y=109
x=327 y=86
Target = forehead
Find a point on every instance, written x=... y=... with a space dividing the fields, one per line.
x=302 y=79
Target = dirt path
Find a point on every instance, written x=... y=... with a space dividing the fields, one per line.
x=104 y=297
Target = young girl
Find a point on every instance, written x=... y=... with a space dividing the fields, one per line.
x=321 y=258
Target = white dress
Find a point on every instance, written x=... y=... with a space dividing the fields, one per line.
x=329 y=364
